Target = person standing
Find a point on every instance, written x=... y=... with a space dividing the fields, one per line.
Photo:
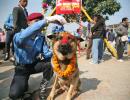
x=98 y=32
x=122 y=38
x=111 y=38
x=20 y=15
x=89 y=41
x=8 y=26
x=32 y=56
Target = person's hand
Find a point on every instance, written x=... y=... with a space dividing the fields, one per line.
x=58 y=18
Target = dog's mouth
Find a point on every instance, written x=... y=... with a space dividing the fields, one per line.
x=65 y=61
x=65 y=49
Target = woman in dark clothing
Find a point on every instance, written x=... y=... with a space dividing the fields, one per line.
x=98 y=32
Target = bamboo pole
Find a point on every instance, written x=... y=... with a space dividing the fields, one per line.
x=86 y=14
x=53 y=11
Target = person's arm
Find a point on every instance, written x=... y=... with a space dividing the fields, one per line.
x=119 y=31
x=15 y=16
x=7 y=23
x=29 y=32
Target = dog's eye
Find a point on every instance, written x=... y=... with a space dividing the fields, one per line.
x=59 y=37
x=69 y=38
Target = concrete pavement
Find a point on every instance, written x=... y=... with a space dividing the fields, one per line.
x=109 y=80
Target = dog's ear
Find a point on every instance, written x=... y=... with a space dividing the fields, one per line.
x=51 y=36
x=80 y=39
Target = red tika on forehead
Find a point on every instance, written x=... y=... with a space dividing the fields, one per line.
x=64 y=40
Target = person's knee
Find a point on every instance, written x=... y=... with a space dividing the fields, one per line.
x=14 y=94
x=18 y=87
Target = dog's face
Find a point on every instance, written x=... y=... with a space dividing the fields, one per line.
x=65 y=45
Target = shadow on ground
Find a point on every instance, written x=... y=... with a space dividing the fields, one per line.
x=107 y=57
x=126 y=58
x=87 y=85
x=6 y=74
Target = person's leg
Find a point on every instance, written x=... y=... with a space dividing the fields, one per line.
x=95 y=51
x=88 y=50
x=9 y=38
x=12 y=49
x=120 y=50
x=46 y=68
x=100 y=49
x=2 y=45
x=19 y=83
x=7 y=45
x=125 y=47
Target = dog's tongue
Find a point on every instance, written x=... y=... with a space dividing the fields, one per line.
x=64 y=41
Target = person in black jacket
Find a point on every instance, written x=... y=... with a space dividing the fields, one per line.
x=98 y=32
x=122 y=38
x=20 y=16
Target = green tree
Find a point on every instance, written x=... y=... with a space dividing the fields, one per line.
x=103 y=7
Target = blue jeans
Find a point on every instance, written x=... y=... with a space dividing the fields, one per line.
x=97 y=50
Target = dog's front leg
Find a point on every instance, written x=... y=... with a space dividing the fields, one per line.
x=52 y=94
x=70 y=91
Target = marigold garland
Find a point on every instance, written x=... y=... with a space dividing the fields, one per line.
x=70 y=67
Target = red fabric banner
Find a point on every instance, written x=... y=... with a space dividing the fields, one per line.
x=68 y=6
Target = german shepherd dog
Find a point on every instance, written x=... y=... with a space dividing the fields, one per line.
x=64 y=50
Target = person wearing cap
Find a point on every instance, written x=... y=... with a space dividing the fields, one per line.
x=28 y=45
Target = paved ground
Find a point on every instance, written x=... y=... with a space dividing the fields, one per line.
x=109 y=80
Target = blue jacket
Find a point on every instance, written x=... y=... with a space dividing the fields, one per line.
x=9 y=22
x=29 y=43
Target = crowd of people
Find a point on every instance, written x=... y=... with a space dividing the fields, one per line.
x=31 y=53
x=118 y=39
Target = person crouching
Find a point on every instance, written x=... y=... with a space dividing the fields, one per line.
x=28 y=45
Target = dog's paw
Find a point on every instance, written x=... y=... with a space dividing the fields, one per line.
x=68 y=98
x=50 y=98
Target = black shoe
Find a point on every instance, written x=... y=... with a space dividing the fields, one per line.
x=27 y=96
x=6 y=56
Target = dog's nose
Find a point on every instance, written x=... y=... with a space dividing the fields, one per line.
x=65 y=49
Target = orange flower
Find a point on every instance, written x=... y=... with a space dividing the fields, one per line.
x=71 y=67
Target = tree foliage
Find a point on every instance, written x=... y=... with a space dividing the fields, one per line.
x=103 y=7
